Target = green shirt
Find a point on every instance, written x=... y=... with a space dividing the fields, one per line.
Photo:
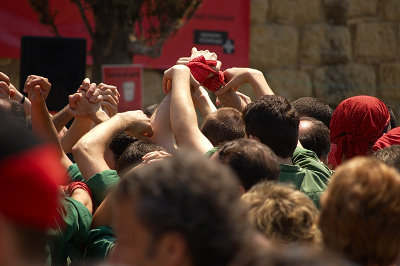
x=308 y=174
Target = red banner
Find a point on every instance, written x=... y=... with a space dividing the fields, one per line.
x=219 y=26
x=129 y=81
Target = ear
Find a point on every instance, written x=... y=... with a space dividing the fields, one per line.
x=172 y=249
x=241 y=190
x=254 y=137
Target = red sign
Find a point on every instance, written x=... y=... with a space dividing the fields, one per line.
x=129 y=81
x=220 y=26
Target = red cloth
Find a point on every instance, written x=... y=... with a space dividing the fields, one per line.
x=389 y=139
x=29 y=193
x=357 y=123
x=200 y=69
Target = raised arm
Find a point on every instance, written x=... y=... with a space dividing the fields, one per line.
x=38 y=88
x=90 y=150
x=235 y=78
x=161 y=124
x=182 y=112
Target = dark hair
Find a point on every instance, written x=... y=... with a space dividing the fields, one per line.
x=14 y=110
x=250 y=160
x=390 y=156
x=191 y=195
x=149 y=110
x=315 y=108
x=274 y=121
x=315 y=136
x=223 y=125
x=133 y=154
x=393 y=119
x=119 y=143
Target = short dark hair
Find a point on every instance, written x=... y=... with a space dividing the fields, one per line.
x=315 y=108
x=390 y=156
x=149 y=110
x=191 y=195
x=251 y=160
x=133 y=154
x=14 y=110
x=274 y=121
x=315 y=137
x=223 y=125
x=119 y=143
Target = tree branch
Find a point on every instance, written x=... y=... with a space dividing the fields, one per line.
x=83 y=15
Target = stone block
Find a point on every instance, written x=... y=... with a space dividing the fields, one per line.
x=336 y=83
x=389 y=81
x=391 y=9
x=152 y=91
x=325 y=44
x=296 y=11
x=375 y=40
x=258 y=11
x=291 y=84
x=340 y=10
x=273 y=45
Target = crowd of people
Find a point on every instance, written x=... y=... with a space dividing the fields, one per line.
x=259 y=182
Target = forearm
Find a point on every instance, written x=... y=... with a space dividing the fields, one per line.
x=183 y=115
x=44 y=127
x=259 y=84
x=204 y=105
x=231 y=99
x=103 y=214
x=161 y=124
x=89 y=151
x=61 y=118
x=79 y=127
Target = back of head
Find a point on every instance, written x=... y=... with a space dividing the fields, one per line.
x=225 y=124
x=282 y=214
x=132 y=155
x=274 y=121
x=194 y=197
x=315 y=108
x=14 y=110
x=360 y=214
x=357 y=123
x=30 y=176
x=119 y=143
x=250 y=160
x=390 y=156
x=314 y=136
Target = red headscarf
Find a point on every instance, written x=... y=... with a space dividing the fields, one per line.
x=357 y=123
x=29 y=190
x=389 y=139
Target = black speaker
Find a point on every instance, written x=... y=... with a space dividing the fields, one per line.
x=61 y=60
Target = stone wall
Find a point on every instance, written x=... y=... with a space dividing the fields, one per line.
x=331 y=49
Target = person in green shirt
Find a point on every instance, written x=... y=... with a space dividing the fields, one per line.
x=272 y=120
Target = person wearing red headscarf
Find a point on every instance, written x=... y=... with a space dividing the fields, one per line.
x=357 y=123
x=389 y=139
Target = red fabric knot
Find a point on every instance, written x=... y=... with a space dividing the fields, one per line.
x=356 y=125
x=201 y=70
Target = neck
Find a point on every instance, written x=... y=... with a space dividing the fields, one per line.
x=287 y=160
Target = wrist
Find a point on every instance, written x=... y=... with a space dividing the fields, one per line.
x=100 y=116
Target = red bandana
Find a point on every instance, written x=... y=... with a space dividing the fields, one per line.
x=29 y=192
x=356 y=125
x=200 y=69
x=389 y=139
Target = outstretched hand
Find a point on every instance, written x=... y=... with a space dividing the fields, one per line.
x=196 y=53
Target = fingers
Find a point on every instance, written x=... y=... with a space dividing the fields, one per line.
x=5 y=78
x=85 y=84
x=90 y=92
x=166 y=80
x=223 y=89
x=96 y=96
x=73 y=100
x=194 y=50
x=244 y=97
x=183 y=61
x=4 y=90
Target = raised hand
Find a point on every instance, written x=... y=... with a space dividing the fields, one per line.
x=4 y=86
x=37 y=87
x=155 y=156
x=110 y=97
x=137 y=124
